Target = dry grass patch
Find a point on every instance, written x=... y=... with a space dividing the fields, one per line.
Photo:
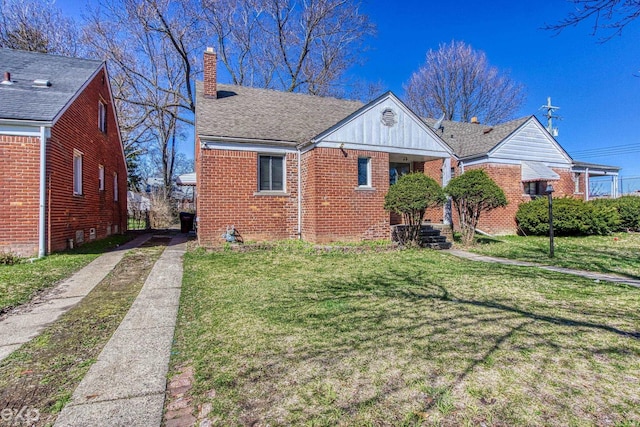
x=291 y=337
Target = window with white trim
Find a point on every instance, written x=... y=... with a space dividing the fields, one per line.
x=115 y=186
x=101 y=178
x=364 y=172
x=77 y=172
x=271 y=173
x=102 y=116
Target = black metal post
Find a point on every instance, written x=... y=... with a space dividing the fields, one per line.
x=550 y=193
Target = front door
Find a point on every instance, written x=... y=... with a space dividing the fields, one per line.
x=396 y=170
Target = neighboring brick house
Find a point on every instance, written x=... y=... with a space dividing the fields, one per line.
x=63 y=176
x=522 y=158
x=278 y=165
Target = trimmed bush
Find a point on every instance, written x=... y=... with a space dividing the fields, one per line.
x=472 y=193
x=571 y=217
x=410 y=197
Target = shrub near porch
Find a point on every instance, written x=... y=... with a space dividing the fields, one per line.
x=292 y=337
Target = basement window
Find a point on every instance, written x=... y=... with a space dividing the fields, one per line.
x=77 y=173
x=271 y=173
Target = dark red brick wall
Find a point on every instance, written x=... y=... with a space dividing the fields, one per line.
x=77 y=129
x=227 y=195
x=19 y=194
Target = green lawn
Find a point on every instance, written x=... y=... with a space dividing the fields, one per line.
x=295 y=337
x=18 y=283
x=618 y=253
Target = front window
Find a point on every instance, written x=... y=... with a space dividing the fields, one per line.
x=271 y=173
x=535 y=188
x=364 y=172
x=77 y=173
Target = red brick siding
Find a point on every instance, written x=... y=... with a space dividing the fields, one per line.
x=19 y=194
x=227 y=195
x=335 y=209
x=77 y=129
x=509 y=178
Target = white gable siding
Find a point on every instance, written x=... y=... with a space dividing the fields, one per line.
x=531 y=143
x=366 y=131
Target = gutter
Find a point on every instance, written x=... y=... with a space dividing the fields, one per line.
x=43 y=191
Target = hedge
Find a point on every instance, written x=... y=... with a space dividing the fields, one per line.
x=571 y=217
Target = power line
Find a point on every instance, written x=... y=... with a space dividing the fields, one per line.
x=624 y=147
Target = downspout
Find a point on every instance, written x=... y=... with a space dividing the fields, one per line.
x=299 y=195
x=43 y=191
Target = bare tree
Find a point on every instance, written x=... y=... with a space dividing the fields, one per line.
x=152 y=48
x=37 y=26
x=287 y=44
x=609 y=15
x=458 y=82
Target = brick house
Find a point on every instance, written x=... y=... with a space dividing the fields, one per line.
x=278 y=165
x=522 y=157
x=63 y=176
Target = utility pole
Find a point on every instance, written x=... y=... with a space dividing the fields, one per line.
x=550 y=110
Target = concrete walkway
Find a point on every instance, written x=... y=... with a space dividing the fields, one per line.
x=614 y=278
x=20 y=328
x=126 y=386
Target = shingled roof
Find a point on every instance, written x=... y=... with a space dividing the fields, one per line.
x=473 y=140
x=252 y=114
x=21 y=100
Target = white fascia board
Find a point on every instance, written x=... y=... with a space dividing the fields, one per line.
x=241 y=146
x=29 y=128
x=378 y=148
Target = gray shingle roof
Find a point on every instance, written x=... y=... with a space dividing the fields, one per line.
x=473 y=140
x=22 y=101
x=263 y=114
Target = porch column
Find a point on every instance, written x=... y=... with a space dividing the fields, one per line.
x=446 y=177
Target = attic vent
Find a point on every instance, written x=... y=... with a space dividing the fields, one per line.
x=388 y=117
x=486 y=131
x=41 y=83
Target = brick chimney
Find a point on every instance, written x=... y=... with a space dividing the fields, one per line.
x=210 y=74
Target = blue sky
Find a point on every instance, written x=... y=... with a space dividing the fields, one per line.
x=592 y=82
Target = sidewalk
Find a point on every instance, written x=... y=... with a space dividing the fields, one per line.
x=613 y=278
x=126 y=385
x=20 y=328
